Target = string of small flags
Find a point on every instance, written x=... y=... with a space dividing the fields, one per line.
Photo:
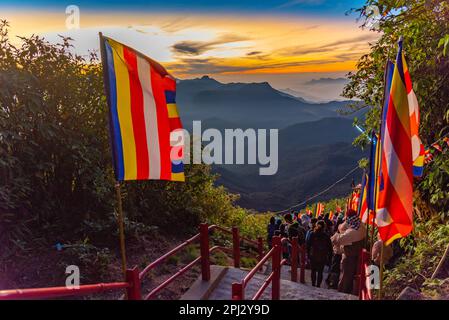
x=436 y=147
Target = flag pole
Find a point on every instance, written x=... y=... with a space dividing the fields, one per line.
x=121 y=226
x=377 y=167
x=117 y=182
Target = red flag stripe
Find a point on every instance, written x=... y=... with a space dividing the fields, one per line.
x=137 y=113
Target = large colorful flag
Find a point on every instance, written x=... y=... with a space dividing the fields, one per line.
x=400 y=150
x=146 y=131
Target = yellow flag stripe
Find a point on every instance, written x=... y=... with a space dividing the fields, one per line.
x=124 y=112
x=178 y=177
x=172 y=110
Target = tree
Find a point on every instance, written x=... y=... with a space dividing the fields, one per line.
x=424 y=24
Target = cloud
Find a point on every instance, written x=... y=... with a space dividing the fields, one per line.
x=196 y=48
x=254 y=53
x=212 y=65
x=355 y=42
x=327 y=81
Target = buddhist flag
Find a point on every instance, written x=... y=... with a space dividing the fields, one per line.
x=364 y=211
x=145 y=128
x=400 y=154
x=319 y=209
x=355 y=200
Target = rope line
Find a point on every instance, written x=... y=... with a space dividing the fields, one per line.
x=321 y=192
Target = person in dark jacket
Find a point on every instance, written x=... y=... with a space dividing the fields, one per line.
x=319 y=250
x=284 y=226
x=329 y=225
x=271 y=228
x=311 y=228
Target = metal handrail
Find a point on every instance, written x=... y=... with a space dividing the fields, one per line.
x=258 y=266
x=203 y=237
x=55 y=292
x=134 y=278
x=179 y=273
x=264 y=287
x=225 y=230
x=132 y=287
x=238 y=288
x=161 y=259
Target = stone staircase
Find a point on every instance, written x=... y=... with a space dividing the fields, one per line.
x=219 y=287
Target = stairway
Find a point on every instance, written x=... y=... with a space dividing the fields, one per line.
x=219 y=287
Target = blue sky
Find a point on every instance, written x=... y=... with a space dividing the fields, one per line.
x=335 y=8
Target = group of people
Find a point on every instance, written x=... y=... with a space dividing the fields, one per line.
x=335 y=242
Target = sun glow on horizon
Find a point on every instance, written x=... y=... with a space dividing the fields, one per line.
x=207 y=44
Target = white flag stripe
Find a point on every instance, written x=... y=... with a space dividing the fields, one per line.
x=150 y=115
x=397 y=174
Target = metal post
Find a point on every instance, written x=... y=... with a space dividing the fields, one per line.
x=134 y=291
x=294 y=259
x=302 y=272
x=236 y=246
x=204 y=248
x=238 y=291
x=276 y=264
x=260 y=247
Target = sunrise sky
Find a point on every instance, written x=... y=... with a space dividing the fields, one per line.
x=305 y=45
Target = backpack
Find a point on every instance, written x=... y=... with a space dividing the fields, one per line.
x=295 y=230
x=283 y=229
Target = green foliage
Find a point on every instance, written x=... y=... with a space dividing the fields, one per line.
x=444 y=42
x=220 y=258
x=424 y=251
x=248 y=263
x=191 y=253
x=93 y=260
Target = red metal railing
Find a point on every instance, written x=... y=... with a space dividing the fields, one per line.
x=238 y=288
x=300 y=253
x=204 y=259
x=132 y=285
